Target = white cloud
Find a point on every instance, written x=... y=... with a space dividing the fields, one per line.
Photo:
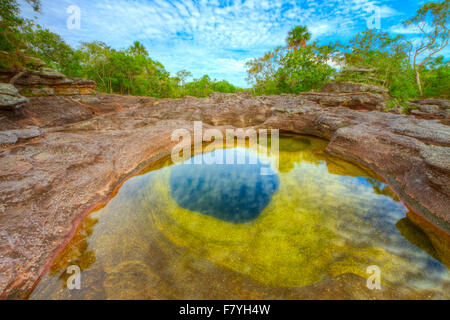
x=230 y=65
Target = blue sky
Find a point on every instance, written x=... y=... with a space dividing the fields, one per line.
x=217 y=37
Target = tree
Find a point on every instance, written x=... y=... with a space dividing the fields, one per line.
x=436 y=78
x=292 y=71
x=386 y=60
x=138 y=49
x=11 y=24
x=183 y=75
x=36 y=4
x=432 y=19
x=297 y=37
x=54 y=51
x=304 y=69
x=261 y=72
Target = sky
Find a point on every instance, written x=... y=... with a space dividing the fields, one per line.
x=217 y=37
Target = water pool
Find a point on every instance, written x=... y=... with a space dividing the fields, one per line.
x=307 y=228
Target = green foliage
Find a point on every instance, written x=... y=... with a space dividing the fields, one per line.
x=436 y=78
x=298 y=36
x=432 y=20
x=372 y=57
x=204 y=86
x=133 y=72
x=293 y=69
x=13 y=30
x=53 y=50
x=388 y=59
x=304 y=69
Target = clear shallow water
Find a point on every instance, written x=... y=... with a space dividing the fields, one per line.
x=225 y=231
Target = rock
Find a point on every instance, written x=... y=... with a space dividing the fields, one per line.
x=360 y=101
x=11 y=102
x=12 y=136
x=33 y=62
x=28 y=61
x=41 y=83
x=7 y=138
x=10 y=97
x=91 y=144
x=358 y=69
x=350 y=87
x=50 y=73
x=441 y=103
x=441 y=114
x=28 y=133
x=430 y=109
x=38 y=92
x=8 y=89
x=49 y=82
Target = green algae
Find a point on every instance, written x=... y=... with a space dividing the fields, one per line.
x=327 y=218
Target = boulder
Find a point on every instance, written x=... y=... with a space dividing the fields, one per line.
x=10 y=97
x=350 y=87
x=48 y=82
x=431 y=108
x=441 y=103
x=13 y=136
x=10 y=102
x=50 y=73
x=33 y=62
x=8 y=89
x=356 y=100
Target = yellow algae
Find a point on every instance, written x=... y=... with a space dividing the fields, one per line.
x=290 y=244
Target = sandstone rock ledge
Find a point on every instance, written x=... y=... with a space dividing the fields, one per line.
x=87 y=145
x=48 y=82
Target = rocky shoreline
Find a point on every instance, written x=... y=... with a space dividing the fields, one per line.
x=60 y=156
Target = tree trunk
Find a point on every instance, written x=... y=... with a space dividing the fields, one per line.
x=419 y=84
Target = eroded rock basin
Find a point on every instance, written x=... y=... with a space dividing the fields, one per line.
x=308 y=230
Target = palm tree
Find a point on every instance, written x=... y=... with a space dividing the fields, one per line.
x=138 y=49
x=298 y=36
